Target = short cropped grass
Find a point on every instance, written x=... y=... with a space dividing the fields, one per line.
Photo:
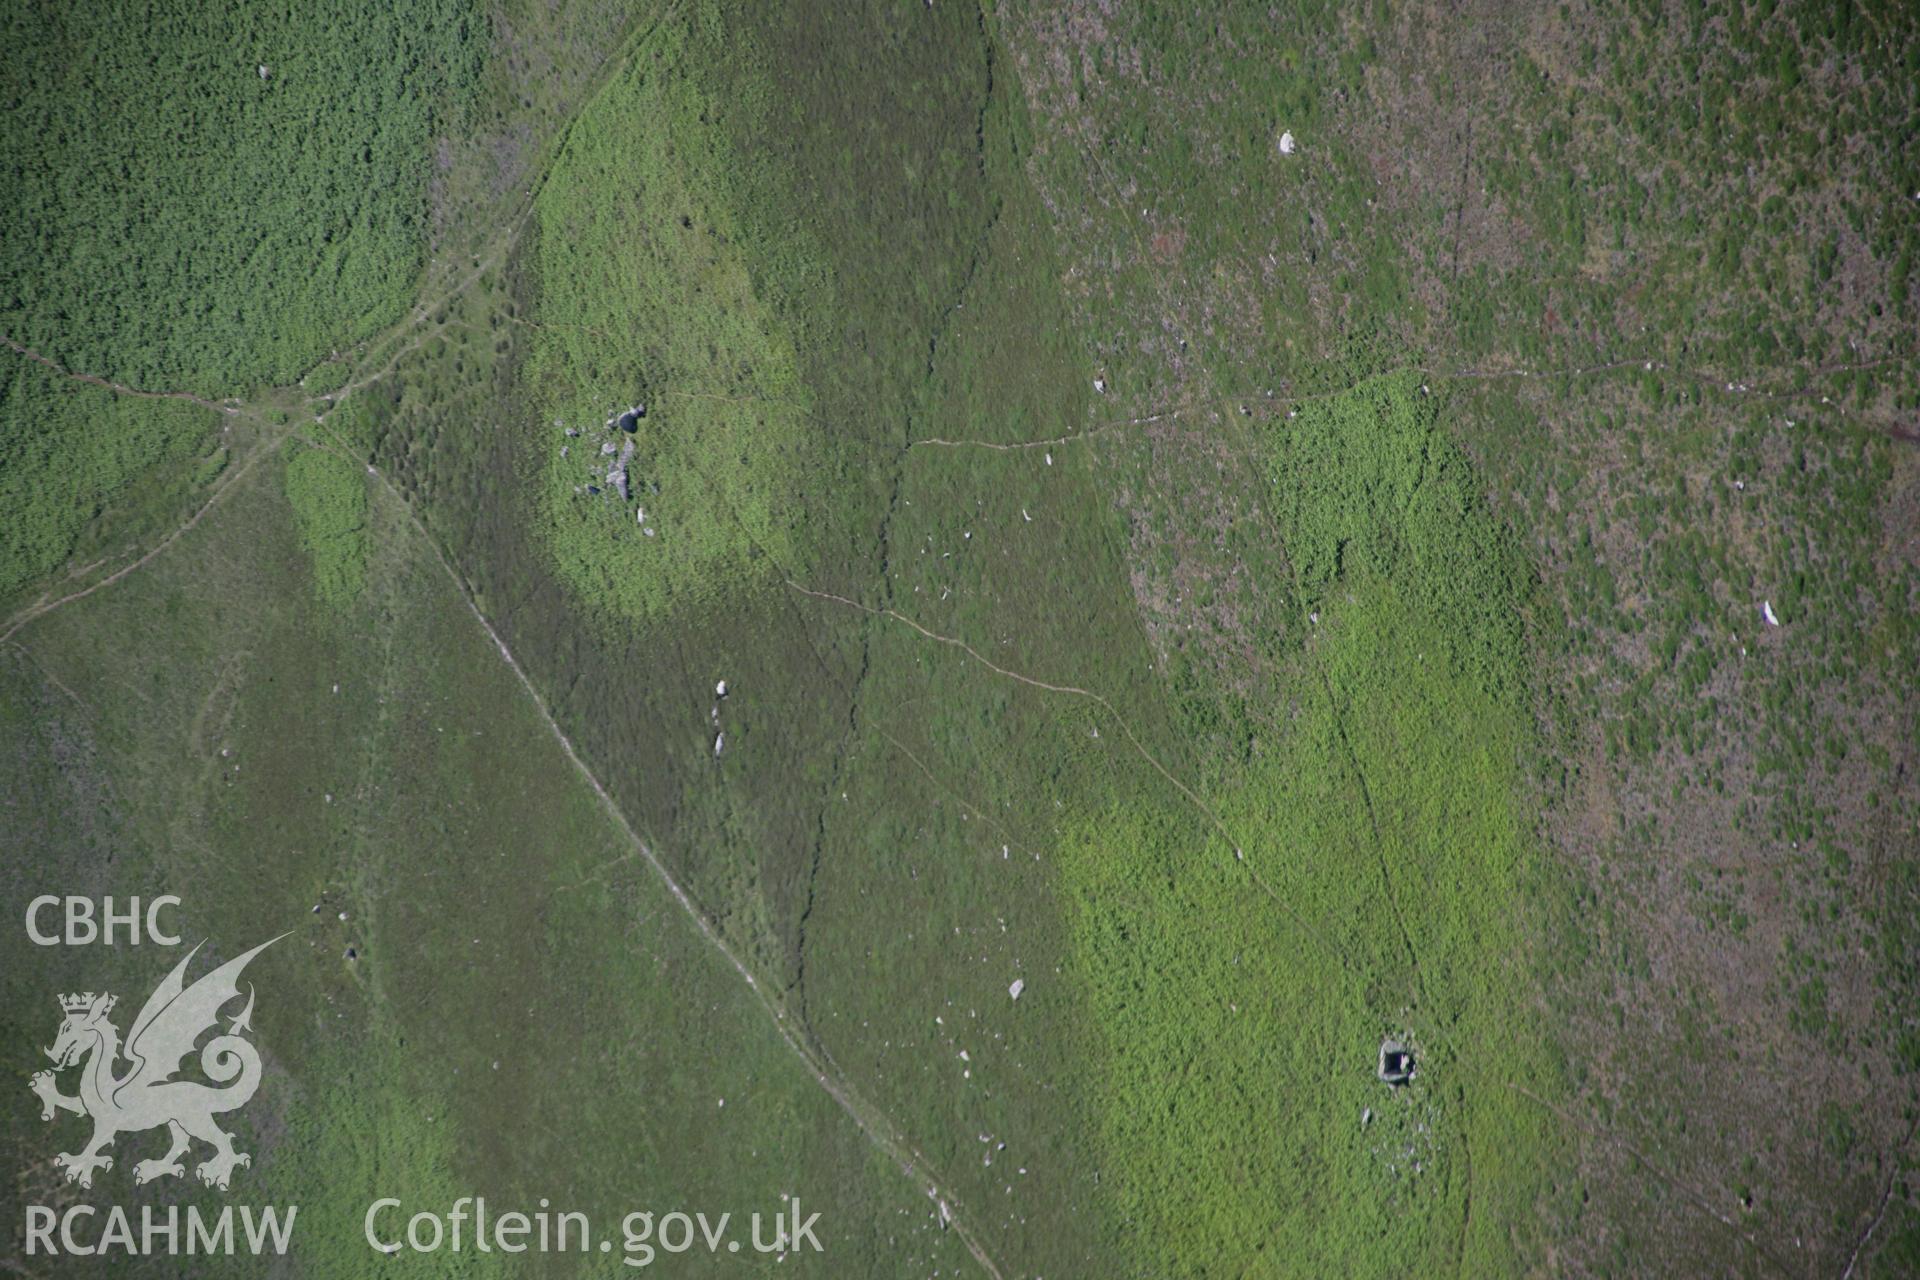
x=1387 y=858
x=646 y=298
x=328 y=493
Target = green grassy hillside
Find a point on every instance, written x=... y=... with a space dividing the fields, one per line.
x=1227 y=536
x=212 y=199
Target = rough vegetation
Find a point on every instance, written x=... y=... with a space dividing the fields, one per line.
x=213 y=198
x=1190 y=608
x=72 y=451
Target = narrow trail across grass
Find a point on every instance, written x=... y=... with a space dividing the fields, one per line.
x=872 y=1122
x=1213 y=819
x=274 y=435
x=119 y=388
x=874 y=1125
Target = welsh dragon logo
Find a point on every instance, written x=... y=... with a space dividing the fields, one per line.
x=145 y=1095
